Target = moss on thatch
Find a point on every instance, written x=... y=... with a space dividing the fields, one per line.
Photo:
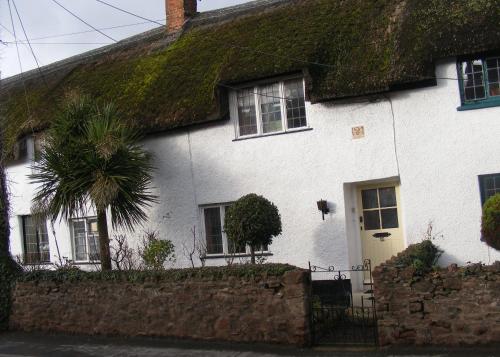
x=367 y=46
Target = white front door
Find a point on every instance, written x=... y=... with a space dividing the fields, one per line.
x=380 y=222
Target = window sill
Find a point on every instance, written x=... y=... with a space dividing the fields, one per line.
x=221 y=256
x=272 y=134
x=87 y=263
x=479 y=105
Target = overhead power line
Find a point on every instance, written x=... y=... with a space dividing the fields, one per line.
x=128 y=12
x=58 y=43
x=85 y=22
x=28 y=111
x=89 y=31
x=27 y=40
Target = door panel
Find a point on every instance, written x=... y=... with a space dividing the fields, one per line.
x=380 y=222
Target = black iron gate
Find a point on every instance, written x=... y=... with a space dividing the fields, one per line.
x=338 y=317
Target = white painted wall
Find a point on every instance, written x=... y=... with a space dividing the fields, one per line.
x=440 y=152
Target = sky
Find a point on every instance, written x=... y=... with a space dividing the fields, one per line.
x=44 y=18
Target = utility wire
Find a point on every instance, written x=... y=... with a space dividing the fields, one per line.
x=128 y=12
x=29 y=44
x=85 y=22
x=89 y=31
x=58 y=43
x=28 y=111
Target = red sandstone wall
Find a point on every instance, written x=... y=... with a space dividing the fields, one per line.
x=271 y=310
x=454 y=306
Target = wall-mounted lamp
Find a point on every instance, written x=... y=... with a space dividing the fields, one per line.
x=323 y=207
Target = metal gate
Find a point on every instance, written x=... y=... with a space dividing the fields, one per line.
x=338 y=316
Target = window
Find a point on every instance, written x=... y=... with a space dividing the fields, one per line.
x=39 y=141
x=19 y=152
x=380 y=208
x=489 y=186
x=85 y=239
x=216 y=239
x=35 y=241
x=479 y=82
x=271 y=108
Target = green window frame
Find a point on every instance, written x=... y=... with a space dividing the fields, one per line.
x=489 y=185
x=479 y=82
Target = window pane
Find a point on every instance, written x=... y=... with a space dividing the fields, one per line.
x=80 y=242
x=491 y=185
x=270 y=107
x=493 y=67
x=30 y=241
x=93 y=238
x=233 y=249
x=36 y=241
x=246 y=112
x=295 y=104
x=387 y=197
x=43 y=242
x=371 y=220
x=213 y=230
x=389 y=218
x=473 y=82
x=369 y=198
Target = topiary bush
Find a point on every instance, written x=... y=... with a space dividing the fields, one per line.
x=252 y=220
x=490 y=223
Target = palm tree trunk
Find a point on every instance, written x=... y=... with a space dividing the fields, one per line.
x=252 y=254
x=102 y=227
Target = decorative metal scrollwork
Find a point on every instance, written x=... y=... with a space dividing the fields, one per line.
x=315 y=268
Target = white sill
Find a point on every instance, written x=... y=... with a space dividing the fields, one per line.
x=87 y=262
x=272 y=134
x=243 y=255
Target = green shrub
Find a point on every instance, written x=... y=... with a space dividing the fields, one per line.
x=490 y=224
x=9 y=271
x=245 y=271
x=156 y=252
x=422 y=256
x=252 y=220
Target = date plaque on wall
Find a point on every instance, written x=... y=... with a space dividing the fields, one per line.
x=358 y=132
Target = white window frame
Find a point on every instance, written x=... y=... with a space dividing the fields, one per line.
x=254 y=87
x=225 y=239
x=73 y=245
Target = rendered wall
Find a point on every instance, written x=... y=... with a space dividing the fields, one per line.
x=440 y=153
x=258 y=309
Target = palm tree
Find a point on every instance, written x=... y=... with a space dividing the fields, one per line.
x=91 y=158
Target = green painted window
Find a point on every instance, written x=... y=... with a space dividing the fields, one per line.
x=479 y=80
x=489 y=186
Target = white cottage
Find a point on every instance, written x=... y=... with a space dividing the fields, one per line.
x=387 y=110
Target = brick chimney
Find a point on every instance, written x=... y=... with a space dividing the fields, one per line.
x=178 y=12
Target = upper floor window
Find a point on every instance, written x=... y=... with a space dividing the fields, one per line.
x=19 y=153
x=35 y=241
x=271 y=108
x=85 y=239
x=479 y=82
x=489 y=186
x=217 y=243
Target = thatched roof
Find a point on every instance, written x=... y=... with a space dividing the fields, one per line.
x=345 y=48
